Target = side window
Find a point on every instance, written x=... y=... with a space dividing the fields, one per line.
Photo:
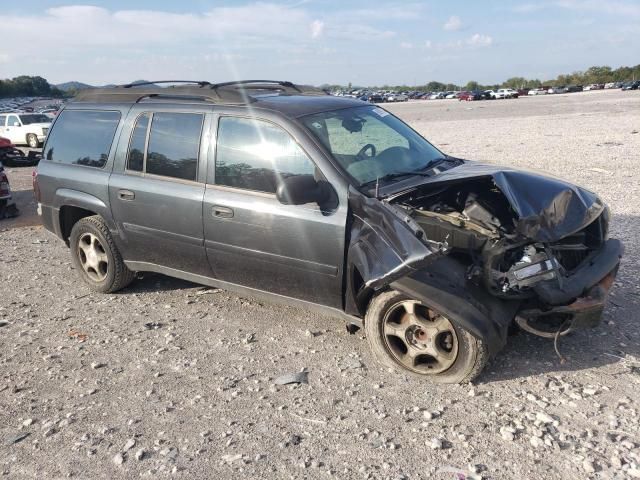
x=174 y=143
x=3 y=120
x=253 y=154
x=82 y=137
x=13 y=121
x=135 y=156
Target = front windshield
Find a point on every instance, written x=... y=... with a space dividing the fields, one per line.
x=34 y=118
x=370 y=143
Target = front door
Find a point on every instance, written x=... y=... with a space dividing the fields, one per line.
x=250 y=237
x=13 y=130
x=157 y=187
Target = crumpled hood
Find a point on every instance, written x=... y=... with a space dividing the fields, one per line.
x=547 y=208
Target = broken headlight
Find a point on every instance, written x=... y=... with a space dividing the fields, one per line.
x=534 y=266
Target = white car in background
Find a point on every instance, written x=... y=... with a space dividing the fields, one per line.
x=25 y=128
x=497 y=94
x=396 y=97
x=508 y=93
x=537 y=91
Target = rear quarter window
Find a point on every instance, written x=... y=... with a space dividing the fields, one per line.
x=82 y=137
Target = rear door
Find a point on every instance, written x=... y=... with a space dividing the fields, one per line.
x=251 y=238
x=157 y=187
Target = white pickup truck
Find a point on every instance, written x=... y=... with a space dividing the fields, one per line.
x=25 y=128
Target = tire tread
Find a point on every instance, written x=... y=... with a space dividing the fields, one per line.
x=122 y=275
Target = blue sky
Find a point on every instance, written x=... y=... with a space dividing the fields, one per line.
x=314 y=41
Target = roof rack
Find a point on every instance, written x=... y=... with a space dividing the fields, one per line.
x=236 y=92
x=137 y=84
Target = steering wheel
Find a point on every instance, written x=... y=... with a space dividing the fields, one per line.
x=361 y=154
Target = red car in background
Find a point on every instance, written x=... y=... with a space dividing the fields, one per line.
x=11 y=156
x=469 y=96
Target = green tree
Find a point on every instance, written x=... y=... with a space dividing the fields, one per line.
x=472 y=85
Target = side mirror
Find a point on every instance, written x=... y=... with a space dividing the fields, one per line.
x=300 y=189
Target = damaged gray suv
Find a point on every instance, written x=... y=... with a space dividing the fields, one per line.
x=281 y=191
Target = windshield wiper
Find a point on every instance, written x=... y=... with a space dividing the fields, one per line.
x=436 y=161
x=394 y=175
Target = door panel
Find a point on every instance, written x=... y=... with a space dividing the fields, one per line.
x=162 y=224
x=292 y=250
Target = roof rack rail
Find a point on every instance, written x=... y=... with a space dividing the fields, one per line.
x=236 y=93
x=265 y=83
x=136 y=84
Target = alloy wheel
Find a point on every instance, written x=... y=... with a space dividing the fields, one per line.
x=93 y=257
x=420 y=339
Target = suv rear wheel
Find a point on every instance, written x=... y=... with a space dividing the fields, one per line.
x=403 y=332
x=95 y=256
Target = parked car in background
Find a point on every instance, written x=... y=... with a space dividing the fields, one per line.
x=396 y=97
x=469 y=96
x=594 y=86
x=538 y=91
x=10 y=156
x=574 y=88
x=8 y=207
x=523 y=91
x=451 y=95
x=508 y=93
x=631 y=85
x=437 y=96
x=502 y=93
x=25 y=128
x=557 y=90
x=49 y=112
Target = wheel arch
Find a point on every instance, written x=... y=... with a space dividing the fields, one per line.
x=443 y=286
x=73 y=205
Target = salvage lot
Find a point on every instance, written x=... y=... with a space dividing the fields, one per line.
x=187 y=373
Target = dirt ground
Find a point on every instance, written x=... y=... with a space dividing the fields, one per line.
x=168 y=379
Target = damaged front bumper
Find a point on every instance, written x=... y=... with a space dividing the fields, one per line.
x=580 y=297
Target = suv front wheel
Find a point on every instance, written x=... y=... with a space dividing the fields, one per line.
x=405 y=333
x=96 y=258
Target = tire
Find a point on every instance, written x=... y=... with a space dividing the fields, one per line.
x=465 y=360
x=103 y=270
x=32 y=140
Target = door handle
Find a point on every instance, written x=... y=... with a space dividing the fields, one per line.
x=221 y=212
x=126 y=195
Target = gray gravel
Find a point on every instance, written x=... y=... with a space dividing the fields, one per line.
x=167 y=379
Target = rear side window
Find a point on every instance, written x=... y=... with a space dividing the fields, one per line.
x=254 y=155
x=82 y=137
x=170 y=148
x=174 y=143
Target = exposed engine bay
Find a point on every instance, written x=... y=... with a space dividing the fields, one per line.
x=476 y=223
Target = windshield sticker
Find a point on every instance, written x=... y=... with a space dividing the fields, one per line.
x=380 y=112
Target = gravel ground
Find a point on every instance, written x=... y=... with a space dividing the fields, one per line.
x=169 y=379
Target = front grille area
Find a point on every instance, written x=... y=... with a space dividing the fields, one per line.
x=571 y=251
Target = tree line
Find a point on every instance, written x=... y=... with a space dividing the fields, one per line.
x=596 y=74
x=25 y=86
